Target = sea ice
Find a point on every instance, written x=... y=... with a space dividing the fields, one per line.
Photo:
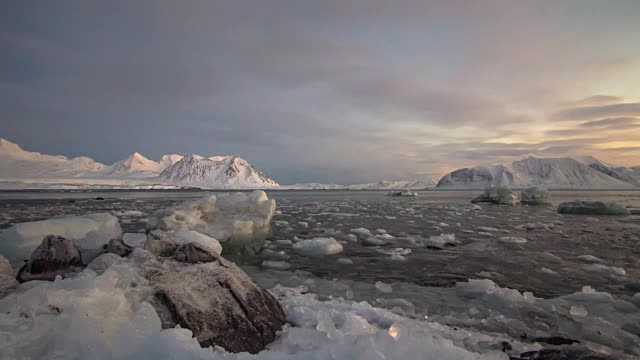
x=318 y=247
x=239 y=221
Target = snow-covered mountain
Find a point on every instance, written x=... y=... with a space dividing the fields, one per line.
x=18 y=166
x=421 y=183
x=217 y=171
x=552 y=173
x=16 y=163
x=134 y=165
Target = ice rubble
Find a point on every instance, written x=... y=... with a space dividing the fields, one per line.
x=609 y=327
x=108 y=316
x=86 y=231
x=240 y=221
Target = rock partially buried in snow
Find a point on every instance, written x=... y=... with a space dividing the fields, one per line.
x=118 y=247
x=162 y=243
x=218 y=302
x=501 y=195
x=240 y=221
x=55 y=256
x=592 y=208
x=536 y=196
x=318 y=247
x=90 y=232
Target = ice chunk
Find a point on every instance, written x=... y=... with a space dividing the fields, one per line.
x=578 y=311
x=373 y=241
x=318 y=247
x=589 y=259
x=275 y=265
x=344 y=261
x=239 y=221
x=384 y=287
x=604 y=269
x=512 y=240
x=440 y=241
x=200 y=238
x=362 y=232
x=134 y=239
x=88 y=232
x=536 y=196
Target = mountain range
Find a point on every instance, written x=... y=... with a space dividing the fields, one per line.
x=18 y=165
x=25 y=169
x=553 y=173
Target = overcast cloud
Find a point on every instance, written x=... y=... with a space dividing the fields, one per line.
x=329 y=91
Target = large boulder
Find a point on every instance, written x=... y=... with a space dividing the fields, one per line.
x=592 y=208
x=535 y=196
x=239 y=221
x=501 y=195
x=55 y=256
x=199 y=290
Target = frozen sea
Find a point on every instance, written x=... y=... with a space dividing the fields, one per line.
x=553 y=261
x=575 y=276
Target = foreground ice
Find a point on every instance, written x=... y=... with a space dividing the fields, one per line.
x=240 y=221
x=108 y=316
x=87 y=232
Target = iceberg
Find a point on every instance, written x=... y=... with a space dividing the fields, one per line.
x=239 y=221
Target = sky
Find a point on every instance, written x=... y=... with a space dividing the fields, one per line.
x=340 y=91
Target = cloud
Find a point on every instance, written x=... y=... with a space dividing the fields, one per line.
x=337 y=91
x=613 y=123
x=597 y=100
x=598 y=112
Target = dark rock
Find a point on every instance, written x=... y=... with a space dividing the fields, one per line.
x=556 y=340
x=71 y=201
x=162 y=243
x=194 y=253
x=118 y=247
x=56 y=255
x=592 y=208
x=99 y=198
x=217 y=301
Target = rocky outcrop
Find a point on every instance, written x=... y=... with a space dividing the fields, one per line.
x=535 y=196
x=199 y=290
x=500 y=195
x=592 y=208
x=55 y=256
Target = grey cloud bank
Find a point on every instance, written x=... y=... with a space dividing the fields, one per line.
x=338 y=91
